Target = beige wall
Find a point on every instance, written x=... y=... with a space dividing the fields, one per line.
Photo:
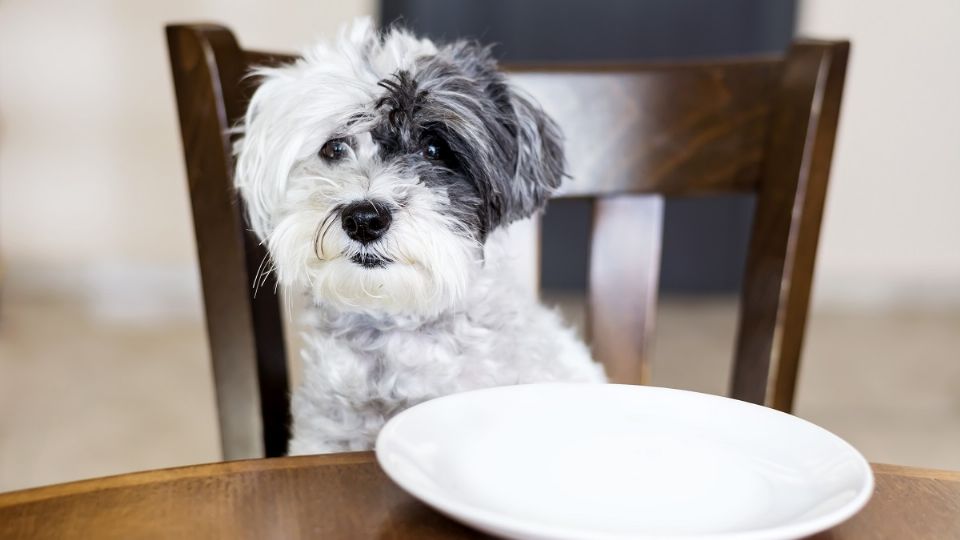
x=892 y=225
x=92 y=189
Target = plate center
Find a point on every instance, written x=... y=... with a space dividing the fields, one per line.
x=606 y=479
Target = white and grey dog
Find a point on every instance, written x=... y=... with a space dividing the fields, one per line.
x=379 y=170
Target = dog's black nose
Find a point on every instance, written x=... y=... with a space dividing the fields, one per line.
x=365 y=221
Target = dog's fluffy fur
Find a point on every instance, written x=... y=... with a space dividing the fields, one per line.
x=445 y=153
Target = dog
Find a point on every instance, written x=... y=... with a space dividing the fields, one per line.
x=380 y=171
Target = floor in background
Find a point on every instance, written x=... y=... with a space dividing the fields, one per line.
x=81 y=397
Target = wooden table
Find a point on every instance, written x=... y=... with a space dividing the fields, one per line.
x=348 y=496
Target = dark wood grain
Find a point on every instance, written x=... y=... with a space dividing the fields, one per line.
x=908 y=504
x=786 y=228
x=331 y=496
x=764 y=126
x=244 y=329
x=696 y=130
x=348 y=496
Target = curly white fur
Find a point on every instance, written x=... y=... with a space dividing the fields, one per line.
x=439 y=313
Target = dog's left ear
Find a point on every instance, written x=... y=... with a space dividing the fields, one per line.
x=523 y=163
x=539 y=159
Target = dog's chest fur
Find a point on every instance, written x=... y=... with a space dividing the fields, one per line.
x=359 y=370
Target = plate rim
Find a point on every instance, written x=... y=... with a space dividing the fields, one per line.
x=492 y=521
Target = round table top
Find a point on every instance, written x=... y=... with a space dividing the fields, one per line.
x=348 y=496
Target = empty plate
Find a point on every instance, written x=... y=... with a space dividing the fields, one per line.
x=573 y=461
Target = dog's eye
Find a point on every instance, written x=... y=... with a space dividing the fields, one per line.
x=434 y=148
x=432 y=152
x=334 y=150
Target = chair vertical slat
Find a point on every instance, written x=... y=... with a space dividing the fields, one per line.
x=786 y=228
x=249 y=362
x=623 y=280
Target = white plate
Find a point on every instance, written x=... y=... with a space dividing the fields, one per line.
x=573 y=461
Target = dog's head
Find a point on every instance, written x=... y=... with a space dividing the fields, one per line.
x=374 y=169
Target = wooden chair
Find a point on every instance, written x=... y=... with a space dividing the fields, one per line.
x=764 y=126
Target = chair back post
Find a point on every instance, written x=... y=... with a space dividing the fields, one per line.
x=243 y=317
x=779 y=270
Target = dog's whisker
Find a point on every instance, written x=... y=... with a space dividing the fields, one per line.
x=260 y=277
x=317 y=248
x=266 y=275
x=320 y=236
x=329 y=181
x=363 y=287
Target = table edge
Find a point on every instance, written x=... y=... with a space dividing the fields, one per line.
x=915 y=472
x=29 y=495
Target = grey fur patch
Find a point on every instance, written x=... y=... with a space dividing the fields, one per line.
x=500 y=155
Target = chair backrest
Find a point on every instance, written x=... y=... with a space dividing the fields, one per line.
x=763 y=126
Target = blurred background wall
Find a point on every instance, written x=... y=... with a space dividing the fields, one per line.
x=93 y=200
x=891 y=231
x=103 y=361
